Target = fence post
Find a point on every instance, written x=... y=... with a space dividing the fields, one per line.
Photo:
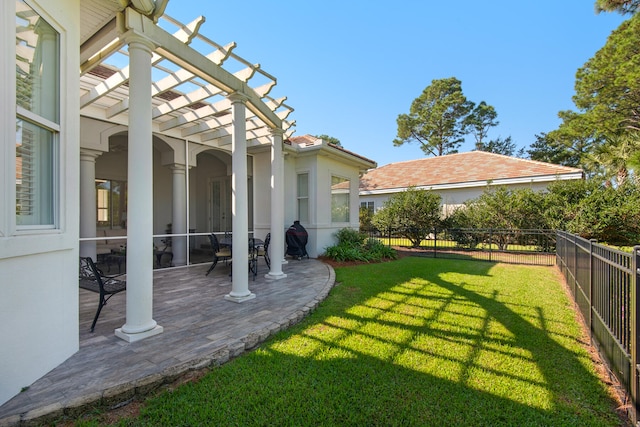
x=435 y=241
x=575 y=264
x=591 y=243
x=635 y=281
x=490 y=243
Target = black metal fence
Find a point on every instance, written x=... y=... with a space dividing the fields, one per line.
x=604 y=283
x=535 y=247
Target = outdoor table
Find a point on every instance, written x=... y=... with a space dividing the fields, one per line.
x=228 y=241
x=159 y=254
x=117 y=257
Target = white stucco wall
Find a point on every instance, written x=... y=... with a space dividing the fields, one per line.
x=39 y=285
x=321 y=167
x=325 y=228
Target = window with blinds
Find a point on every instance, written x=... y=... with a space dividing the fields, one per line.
x=38 y=119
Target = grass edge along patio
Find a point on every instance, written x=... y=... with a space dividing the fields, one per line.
x=418 y=341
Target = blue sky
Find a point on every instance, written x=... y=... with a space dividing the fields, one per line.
x=349 y=68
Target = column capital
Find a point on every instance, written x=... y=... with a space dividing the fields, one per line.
x=89 y=155
x=238 y=97
x=139 y=39
x=177 y=167
x=276 y=132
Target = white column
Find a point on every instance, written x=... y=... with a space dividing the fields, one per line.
x=276 y=248
x=139 y=322
x=88 y=208
x=179 y=214
x=239 y=203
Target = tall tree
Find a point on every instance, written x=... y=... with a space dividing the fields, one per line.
x=499 y=146
x=413 y=213
x=608 y=85
x=615 y=157
x=479 y=121
x=436 y=118
x=547 y=149
x=577 y=136
x=608 y=101
x=622 y=6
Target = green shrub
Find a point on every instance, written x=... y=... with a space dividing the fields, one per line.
x=354 y=246
x=345 y=253
x=350 y=237
x=378 y=251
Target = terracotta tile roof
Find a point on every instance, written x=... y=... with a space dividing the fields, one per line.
x=310 y=140
x=470 y=167
x=303 y=140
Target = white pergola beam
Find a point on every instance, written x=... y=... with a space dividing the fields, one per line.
x=200 y=113
x=284 y=113
x=191 y=60
x=225 y=128
x=263 y=90
x=182 y=75
x=100 y=46
x=197 y=95
x=184 y=34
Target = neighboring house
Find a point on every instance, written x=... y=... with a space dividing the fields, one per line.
x=149 y=132
x=458 y=178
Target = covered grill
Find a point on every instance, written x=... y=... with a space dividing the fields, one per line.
x=296 y=237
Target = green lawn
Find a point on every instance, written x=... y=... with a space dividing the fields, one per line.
x=413 y=342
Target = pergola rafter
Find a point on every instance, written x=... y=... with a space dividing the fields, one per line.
x=185 y=34
x=189 y=90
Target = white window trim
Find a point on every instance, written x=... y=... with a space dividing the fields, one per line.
x=349 y=180
x=58 y=129
x=308 y=197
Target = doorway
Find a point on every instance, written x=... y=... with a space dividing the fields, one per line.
x=220 y=204
x=220 y=218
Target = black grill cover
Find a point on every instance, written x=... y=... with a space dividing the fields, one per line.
x=296 y=238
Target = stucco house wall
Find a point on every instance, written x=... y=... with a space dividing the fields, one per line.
x=322 y=161
x=38 y=267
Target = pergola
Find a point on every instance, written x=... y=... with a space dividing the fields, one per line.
x=146 y=71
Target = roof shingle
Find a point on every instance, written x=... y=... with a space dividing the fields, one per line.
x=473 y=166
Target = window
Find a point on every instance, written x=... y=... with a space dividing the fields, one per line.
x=303 y=197
x=111 y=199
x=340 y=195
x=38 y=119
x=368 y=206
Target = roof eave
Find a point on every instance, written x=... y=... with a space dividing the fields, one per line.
x=483 y=183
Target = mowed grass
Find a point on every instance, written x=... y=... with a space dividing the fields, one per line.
x=413 y=342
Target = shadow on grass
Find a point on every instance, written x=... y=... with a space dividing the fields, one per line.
x=412 y=342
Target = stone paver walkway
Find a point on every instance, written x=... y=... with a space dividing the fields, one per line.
x=201 y=329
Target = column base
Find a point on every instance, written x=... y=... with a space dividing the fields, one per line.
x=232 y=298
x=140 y=335
x=278 y=276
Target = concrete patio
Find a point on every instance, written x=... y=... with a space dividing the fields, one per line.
x=201 y=329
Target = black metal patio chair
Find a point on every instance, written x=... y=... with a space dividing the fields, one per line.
x=263 y=250
x=253 y=257
x=93 y=279
x=219 y=253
